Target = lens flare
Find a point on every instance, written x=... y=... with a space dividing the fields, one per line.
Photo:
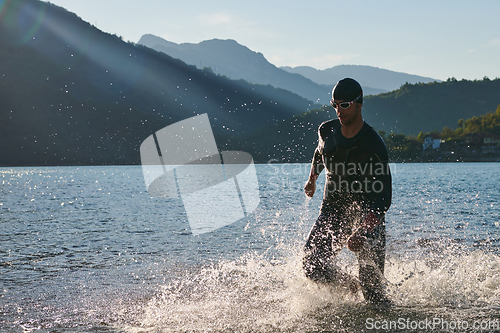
x=31 y=17
x=26 y=17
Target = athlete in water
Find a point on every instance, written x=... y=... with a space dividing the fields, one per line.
x=356 y=196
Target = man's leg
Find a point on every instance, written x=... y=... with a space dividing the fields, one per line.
x=323 y=243
x=371 y=261
x=318 y=251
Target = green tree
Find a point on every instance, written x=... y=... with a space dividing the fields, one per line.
x=447 y=133
x=401 y=148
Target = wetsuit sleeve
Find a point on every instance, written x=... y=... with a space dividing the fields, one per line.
x=382 y=189
x=317 y=165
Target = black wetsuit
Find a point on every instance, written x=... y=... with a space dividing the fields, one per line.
x=358 y=181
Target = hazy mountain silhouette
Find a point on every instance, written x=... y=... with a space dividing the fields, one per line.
x=373 y=79
x=228 y=58
x=71 y=94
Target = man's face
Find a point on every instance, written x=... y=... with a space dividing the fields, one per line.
x=350 y=115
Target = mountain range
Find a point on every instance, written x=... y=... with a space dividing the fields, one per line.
x=227 y=57
x=71 y=94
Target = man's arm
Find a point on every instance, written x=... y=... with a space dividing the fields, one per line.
x=316 y=167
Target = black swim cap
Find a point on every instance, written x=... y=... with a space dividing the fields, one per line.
x=347 y=90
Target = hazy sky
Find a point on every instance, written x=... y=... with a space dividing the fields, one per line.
x=438 y=39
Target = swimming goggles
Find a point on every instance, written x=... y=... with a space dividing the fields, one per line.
x=344 y=105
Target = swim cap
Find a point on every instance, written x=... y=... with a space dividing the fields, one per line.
x=347 y=90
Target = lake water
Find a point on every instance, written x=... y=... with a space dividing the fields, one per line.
x=86 y=249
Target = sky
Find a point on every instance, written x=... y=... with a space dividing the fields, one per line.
x=438 y=39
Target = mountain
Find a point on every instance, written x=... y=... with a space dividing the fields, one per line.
x=228 y=58
x=71 y=94
x=374 y=80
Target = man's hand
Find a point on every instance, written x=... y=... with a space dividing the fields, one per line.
x=310 y=186
x=357 y=240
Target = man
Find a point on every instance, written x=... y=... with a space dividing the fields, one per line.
x=357 y=194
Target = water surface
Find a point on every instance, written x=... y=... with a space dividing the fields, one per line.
x=86 y=249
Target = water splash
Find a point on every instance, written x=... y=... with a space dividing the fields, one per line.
x=258 y=294
x=251 y=294
x=456 y=280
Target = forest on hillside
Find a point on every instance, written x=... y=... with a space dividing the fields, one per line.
x=425 y=107
x=296 y=139
x=469 y=139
